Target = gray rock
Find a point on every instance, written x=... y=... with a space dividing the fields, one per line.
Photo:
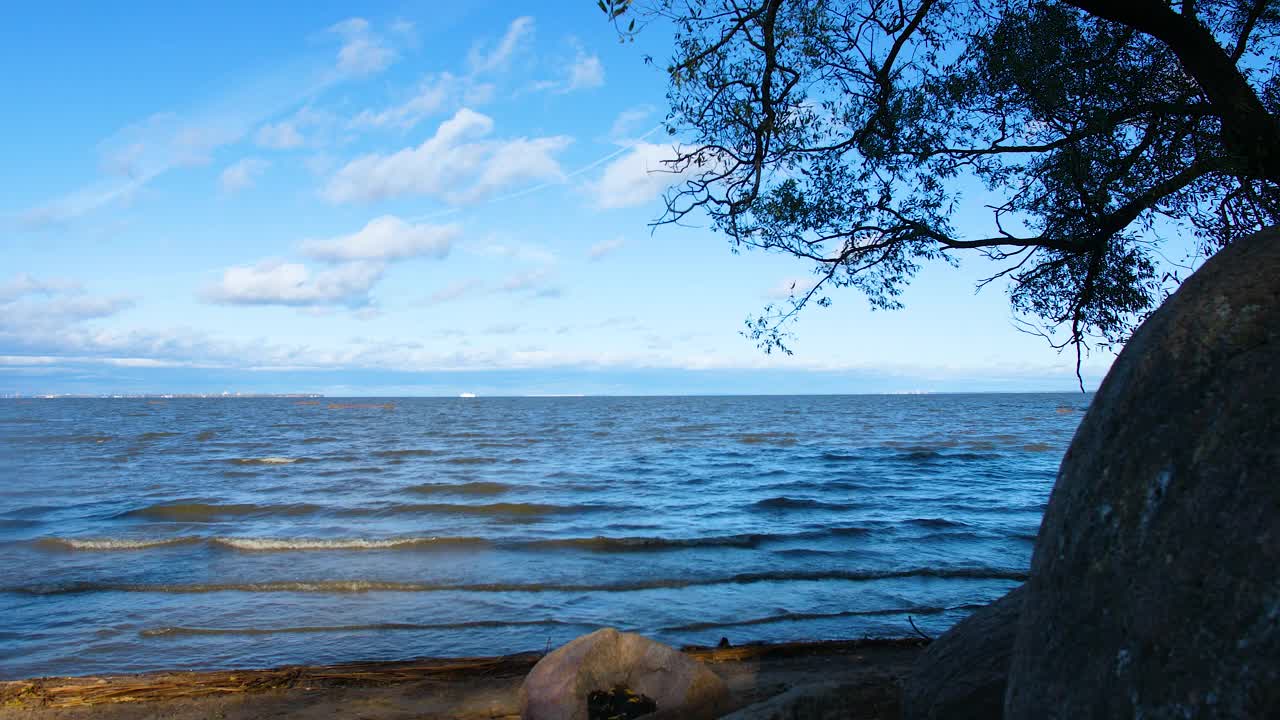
x=962 y=675
x=557 y=687
x=1155 y=582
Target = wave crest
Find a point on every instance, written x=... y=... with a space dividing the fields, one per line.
x=365 y=586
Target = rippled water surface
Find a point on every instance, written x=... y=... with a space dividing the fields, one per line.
x=141 y=535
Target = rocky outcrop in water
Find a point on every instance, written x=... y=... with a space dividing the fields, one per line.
x=1155 y=584
x=962 y=675
x=607 y=661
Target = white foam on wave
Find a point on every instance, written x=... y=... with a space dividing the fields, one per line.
x=277 y=544
x=273 y=460
x=115 y=543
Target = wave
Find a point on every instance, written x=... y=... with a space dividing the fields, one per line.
x=361 y=406
x=597 y=544
x=97 y=438
x=513 y=443
x=927 y=455
x=472 y=460
x=347 y=471
x=211 y=512
x=643 y=544
x=810 y=485
x=778 y=439
x=206 y=435
x=197 y=512
x=156 y=435
x=478 y=487
x=517 y=509
x=253 y=544
x=366 y=586
x=287 y=544
x=793 y=617
x=789 y=503
x=936 y=522
x=408 y=452
x=179 y=631
x=316 y=440
x=113 y=543
x=273 y=460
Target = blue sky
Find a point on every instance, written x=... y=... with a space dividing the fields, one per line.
x=418 y=198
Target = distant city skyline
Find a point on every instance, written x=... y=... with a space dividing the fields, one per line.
x=418 y=200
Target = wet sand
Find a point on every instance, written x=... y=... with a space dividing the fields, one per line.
x=870 y=670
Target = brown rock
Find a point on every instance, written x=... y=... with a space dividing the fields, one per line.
x=962 y=675
x=558 y=686
x=1155 y=583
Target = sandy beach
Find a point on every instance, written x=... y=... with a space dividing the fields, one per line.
x=869 y=671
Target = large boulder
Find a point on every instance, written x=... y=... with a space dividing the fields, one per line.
x=557 y=688
x=962 y=675
x=1155 y=582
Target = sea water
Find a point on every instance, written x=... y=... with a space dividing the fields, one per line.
x=140 y=535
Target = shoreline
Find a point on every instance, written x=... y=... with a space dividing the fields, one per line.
x=479 y=687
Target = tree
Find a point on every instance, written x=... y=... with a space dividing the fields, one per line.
x=851 y=133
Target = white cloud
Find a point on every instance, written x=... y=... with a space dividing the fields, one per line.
x=629 y=123
x=454 y=291
x=524 y=280
x=273 y=282
x=288 y=134
x=540 y=282
x=583 y=72
x=242 y=174
x=385 y=238
x=320 y=164
x=433 y=94
x=363 y=51
x=29 y=304
x=406 y=30
x=637 y=177
x=505 y=328
x=82 y=202
x=283 y=135
x=64 y=310
x=586 y=72
x=485 y=60
x=24 y=284
x=524 y=252
x=137 y=154
x=517 y=160
x=167 y=140
x=604 y=247
x=75 y=309
x=456 y=164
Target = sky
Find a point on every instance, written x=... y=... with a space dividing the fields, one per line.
x=420 y=198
